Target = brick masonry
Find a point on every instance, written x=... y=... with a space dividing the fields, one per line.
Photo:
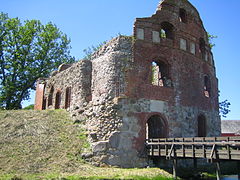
x=162 y=77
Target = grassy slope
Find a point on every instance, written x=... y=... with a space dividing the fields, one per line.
x=47 y=144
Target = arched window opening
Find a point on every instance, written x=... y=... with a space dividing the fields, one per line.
x=163 y=33
x=58 y=100
x=68 y=97
x=50 y=96
x=160 y=74
x=44 y=103
x=183 y=15
x=202 y=126
x=166 y=30
x=156 y=127
x=202 y=47
x=207 y=86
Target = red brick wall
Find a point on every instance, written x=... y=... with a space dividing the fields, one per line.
x=39 y=96
x=186 y=70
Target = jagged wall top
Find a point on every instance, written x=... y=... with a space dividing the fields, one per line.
x=179 y=4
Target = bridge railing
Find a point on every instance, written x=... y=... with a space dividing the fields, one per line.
x=212 y=148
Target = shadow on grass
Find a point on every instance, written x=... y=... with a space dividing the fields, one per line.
x=204 y=170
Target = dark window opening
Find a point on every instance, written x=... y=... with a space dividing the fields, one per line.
x=68 y=98
x=44 y=103
x=202 y=131
x=166 y=30
x=50 y=97
x=183 y=15
x=202 y=47
x=58 y=100
x=160 y=74
x=156 y=128
x=207 y=86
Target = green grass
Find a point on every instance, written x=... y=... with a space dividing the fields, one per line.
x=47 y=145
x=39 y=141
x=78 y=177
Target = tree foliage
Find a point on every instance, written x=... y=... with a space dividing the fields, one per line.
x=28 y=51
x=210 y=40
x=91 y=50
x=224 y=108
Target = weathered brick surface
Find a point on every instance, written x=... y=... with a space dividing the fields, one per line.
x=39 y=95
x=116 y=96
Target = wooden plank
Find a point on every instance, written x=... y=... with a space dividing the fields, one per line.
x=226 y=148
x=222 y=143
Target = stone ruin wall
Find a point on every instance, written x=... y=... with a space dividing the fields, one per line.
x=110 y=132
x=77 y=78
x=112 y=93
x=98 y=88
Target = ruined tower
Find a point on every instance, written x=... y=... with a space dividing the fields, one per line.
x=161 y=82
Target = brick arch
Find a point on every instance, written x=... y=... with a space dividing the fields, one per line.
x=68 y=97
x=183 y=15
x=161 y=70
x=169 y=30
x=50 y=96
x=201 y=125
x=207 y=86
x=58 y=100
x=139 y=141
x=156 y=126
x=156 y=57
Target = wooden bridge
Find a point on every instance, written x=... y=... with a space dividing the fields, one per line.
x=214 y=149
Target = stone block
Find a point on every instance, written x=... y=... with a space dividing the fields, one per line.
x=192 y=48
x=156 y=106
x=155 y=37
x=114 y=140
x=100 y=146
x=183 y=44
x=140 y=33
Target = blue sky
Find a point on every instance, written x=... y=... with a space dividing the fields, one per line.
x=89 y=22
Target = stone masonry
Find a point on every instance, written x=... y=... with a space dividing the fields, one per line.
x=158 y=83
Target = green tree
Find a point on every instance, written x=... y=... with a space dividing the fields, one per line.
x=224 y=108
x=91 y=50
x=28 y=51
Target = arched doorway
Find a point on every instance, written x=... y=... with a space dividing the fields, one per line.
x=68 y=97
x=156 y=127
x=202 y=126
x=58 y=100
x=50 y=97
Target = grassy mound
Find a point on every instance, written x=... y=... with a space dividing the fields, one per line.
x=47 y=145
x=39 y=141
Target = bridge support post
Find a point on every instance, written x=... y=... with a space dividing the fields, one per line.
x=195 y=163
x=218 y=171
x=238 y=167
x=175 y=168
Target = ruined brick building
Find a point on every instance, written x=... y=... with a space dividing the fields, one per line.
x=161 y=82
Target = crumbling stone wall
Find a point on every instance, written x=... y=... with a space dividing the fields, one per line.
x=110 y=133
x=76 y=77
x=164 y=74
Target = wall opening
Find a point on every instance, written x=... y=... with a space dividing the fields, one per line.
x=160 y=74
x=202 y=47
x=202 y=126
x=167 y=30
x=182 y=15
x=44 y=103
x=68 y=97
x=207 y=86
x=50 y=96
x=58 y=100
x=156 y=127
